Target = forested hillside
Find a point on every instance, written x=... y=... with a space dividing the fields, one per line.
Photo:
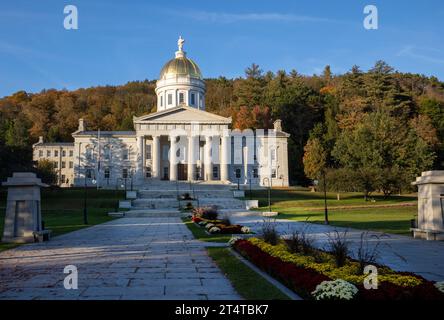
x=374 y=123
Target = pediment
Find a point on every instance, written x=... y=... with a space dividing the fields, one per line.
x=182 y=115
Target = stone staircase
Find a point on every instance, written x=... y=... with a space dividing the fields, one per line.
x=162 y=197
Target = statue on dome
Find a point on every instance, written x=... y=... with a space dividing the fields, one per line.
x=180 y=43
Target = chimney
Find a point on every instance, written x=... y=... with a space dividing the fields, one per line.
x=277 y=125
x=40 y=139
x=82 y=125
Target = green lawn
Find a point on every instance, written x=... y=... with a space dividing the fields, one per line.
x=62 y=209
x=391 y=215
x=200 y=234
x=249 y=284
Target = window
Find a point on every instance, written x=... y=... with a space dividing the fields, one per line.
x=71 y=164
x=170 y=99
x=125 y=154
x=71 y=153
x=165 y=173
x=56 y=153
x=148 y=172
x=215 y=172
x=48 y=153
x=107 y=153
x=148 y=152
x=88 y=153
x=161 y=101
x=124 y=173
x=40 y=153
x=273 y=154
x=63 y=164
x=238 y=173
x=193 y=99
x=107 y=175
x=63 y=153
x=89 y=173
x=273 y=173
x=55 y=164
x=181 y=98
x=63 y=179
x=255 y=173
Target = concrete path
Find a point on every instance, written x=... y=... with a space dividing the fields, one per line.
x=401 y=253
x=129 y=258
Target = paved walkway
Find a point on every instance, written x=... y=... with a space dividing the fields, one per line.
x=401 y=253
x=129 y=258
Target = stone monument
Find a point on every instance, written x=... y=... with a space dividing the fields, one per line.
x=23 y=219
x=430 y=224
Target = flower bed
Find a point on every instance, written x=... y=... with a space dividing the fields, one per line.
x=219 y=226
x=307 y=276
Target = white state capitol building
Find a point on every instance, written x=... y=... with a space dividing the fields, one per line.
x=181 y=141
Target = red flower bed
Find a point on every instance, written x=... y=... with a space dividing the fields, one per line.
x=301 y=280
x=304 y=280
x=196 y=219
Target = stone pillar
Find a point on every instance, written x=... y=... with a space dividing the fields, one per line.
x=192 y=141
x=208 y=163
x=23 y=220
x=430 y=223
x=224 y=161
x=156 y=158
x=173 y=158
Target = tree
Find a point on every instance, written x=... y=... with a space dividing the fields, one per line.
x=45 y=171
x=315 y=158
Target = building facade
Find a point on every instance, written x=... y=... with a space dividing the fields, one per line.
x=181 y=141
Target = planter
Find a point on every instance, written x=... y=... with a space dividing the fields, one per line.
x=124 y=204
x=131 y=194
x=238 y=193
x=251 y=204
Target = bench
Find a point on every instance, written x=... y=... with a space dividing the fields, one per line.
x=428 y=234
x=42 y=235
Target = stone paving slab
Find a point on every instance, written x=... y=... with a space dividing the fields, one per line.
x=401 y=253
x=128 y=258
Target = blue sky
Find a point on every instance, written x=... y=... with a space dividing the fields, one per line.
x=121 y=41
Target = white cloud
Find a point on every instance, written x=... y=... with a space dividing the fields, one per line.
x=424 y=54
x=222 y=17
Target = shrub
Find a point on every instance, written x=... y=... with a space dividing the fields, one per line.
x=269 y=233
x=209 y=213
x=338 y=247
x=440 y=286
x=245 y=230
x=335 y=290
x=294 y=242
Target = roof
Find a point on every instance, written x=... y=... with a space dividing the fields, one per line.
x=182 y=114
x=104 y=133
x=180 y=66
x=54 y=144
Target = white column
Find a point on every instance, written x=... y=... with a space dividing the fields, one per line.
x=224 y=158
x=192 y=157
x=207 y=158
x=140 y=162
x=156 y=157
x=173 y=158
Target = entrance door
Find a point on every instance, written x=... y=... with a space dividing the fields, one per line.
x=182 y=171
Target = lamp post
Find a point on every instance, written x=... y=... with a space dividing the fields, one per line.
x=269 y=192
x=325 y=198
x=85 y=196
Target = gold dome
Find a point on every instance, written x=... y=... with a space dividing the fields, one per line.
x=180 y=66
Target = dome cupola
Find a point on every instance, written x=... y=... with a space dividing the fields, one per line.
x=180 y=83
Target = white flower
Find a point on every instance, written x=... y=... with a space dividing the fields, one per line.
x=214 y=230
x=335 y=290
x=440 y=286
x=233 y=240
x=245 y=230
x=208 y=226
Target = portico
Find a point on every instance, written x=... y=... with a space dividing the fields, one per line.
x=183 y=143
